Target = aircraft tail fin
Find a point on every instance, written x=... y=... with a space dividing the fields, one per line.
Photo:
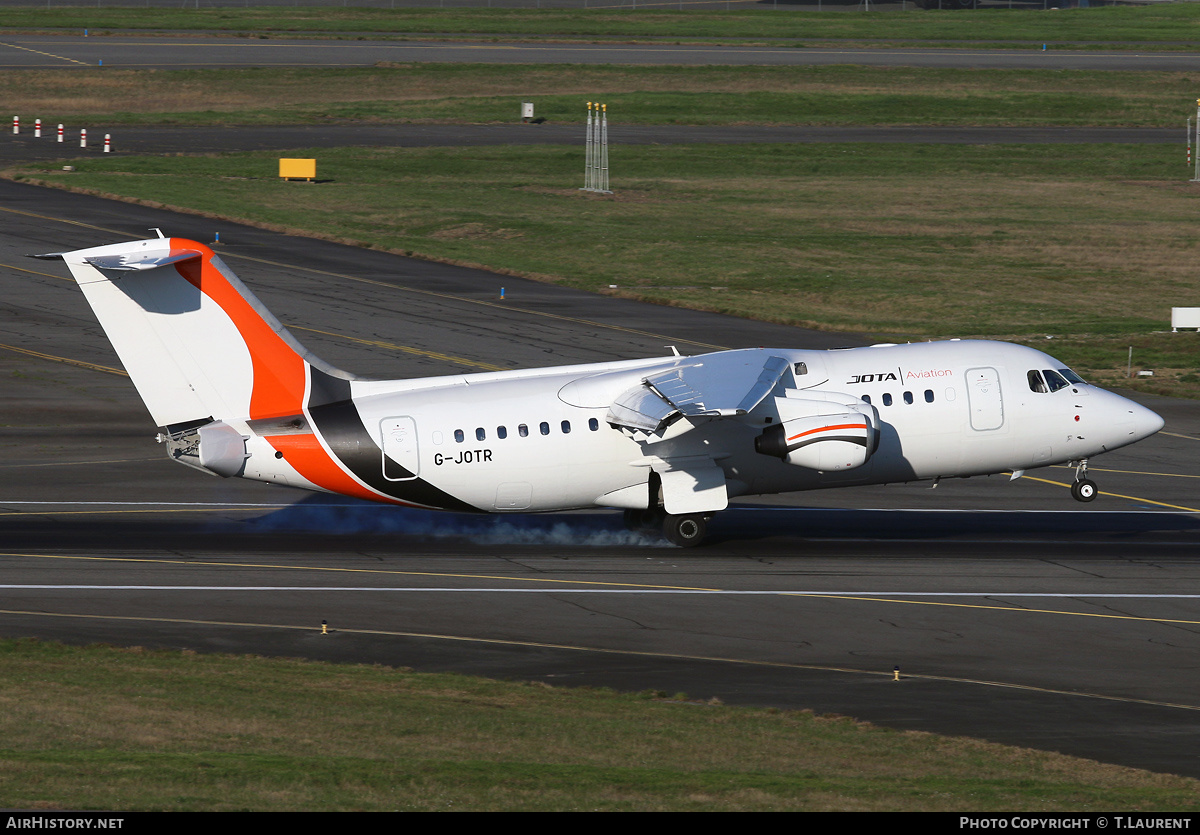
x=196 y=342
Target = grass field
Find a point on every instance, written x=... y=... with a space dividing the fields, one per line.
x=1090 y=245
x=449 y=93
x=1164 y=25
x=184 y=732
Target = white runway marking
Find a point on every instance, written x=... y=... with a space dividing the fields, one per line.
x=780 y=509
x=469 y=590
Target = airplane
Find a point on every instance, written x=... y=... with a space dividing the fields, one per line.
x=668 y=440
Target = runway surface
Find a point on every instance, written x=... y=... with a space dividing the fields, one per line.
x=1012 y=612
x=21 y=51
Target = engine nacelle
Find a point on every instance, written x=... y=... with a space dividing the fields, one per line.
x=827 y=443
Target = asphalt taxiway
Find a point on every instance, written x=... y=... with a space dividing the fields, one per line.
x=1012 y=612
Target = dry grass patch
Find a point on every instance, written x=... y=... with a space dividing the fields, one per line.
x=659 y=95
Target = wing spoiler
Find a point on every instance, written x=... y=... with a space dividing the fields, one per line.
x=714 y=386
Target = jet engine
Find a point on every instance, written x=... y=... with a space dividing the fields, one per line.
x=822 y=435
x=826 y=442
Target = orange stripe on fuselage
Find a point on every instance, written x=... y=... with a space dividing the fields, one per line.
x=828 y=429
x=278 y=386
x=308 y=457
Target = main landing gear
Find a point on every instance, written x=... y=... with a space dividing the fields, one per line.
x=1084 y=489
x=685 y=529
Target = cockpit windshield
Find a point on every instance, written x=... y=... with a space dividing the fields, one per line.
x=1048 y=380
x=1054 y=380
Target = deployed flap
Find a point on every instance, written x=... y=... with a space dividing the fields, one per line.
x=714 y=385
x=692 y=484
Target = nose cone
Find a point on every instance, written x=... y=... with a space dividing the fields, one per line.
x=1128 y=422
x=1145 y=422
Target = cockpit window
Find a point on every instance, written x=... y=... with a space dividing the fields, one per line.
x=1036 y=383
x=1070 y=375
x=1055 y=380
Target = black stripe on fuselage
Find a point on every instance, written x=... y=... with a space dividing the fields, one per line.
x=337 y=420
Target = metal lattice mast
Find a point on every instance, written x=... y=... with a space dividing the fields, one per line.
x=587 y=164
x=595 y=173
x=603 y=184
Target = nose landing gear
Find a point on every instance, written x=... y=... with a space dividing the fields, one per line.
x=1084 y=489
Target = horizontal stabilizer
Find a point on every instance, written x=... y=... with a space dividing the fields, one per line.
x=141 y=261
x=130 y=261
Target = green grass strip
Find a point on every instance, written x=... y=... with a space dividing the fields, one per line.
x=125 y=730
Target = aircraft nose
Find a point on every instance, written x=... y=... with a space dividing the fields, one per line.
x=1145 y=421
x=1130 y=422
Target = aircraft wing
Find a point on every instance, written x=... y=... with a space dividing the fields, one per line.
x=712 y=386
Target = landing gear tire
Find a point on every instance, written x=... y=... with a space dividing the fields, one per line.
x=686 y=530
x=1083 y=490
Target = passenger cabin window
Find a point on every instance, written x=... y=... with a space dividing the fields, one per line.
x=593 y=424
x=928 y=395
x=908 y=398
x=523 y=431
x=501 y=432
x=459 y=436
x=480 y=435
x=544 y=428
x=866 y=398
x=801 y=369
x=887 y=400
x=566 y=427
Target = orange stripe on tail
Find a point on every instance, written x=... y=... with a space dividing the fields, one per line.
x=279 y=377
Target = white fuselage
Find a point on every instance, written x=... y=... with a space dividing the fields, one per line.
x=540 y=440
